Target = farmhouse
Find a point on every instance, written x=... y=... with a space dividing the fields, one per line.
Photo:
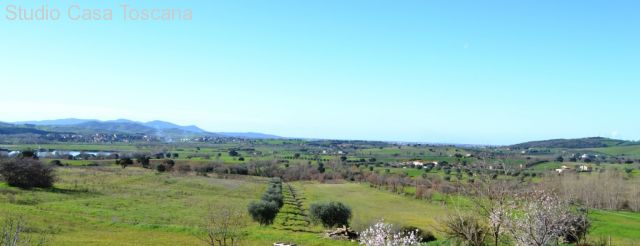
x=13 y=153
x=584 y=168
x=419 y=163
x=562 y=169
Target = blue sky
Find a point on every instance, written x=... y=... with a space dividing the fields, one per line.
x=482 y=72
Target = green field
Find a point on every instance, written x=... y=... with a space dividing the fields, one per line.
x=622 y=227
x=114 y=206
x=110 y=205
x=370 y=205
x=632 y=151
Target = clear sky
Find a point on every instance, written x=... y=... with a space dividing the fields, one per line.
x=481 y=72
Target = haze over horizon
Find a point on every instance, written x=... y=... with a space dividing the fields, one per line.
x=415 y=71
x=43 y=122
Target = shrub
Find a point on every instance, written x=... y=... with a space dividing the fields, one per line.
x=426 y=236
x=263 y=212
x=161 y=168
x=234 y=153
x=575 y=228
x=330 y=214
x=628 y=169
x=124 y=162
x=170 y=163
x=27 y=173
x=56 y=163
x=144 y=161
x=466 y=228
x=28 y=153
x=14 y=232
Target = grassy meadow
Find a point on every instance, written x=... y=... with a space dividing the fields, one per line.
x=114 y=206
x=134 y=206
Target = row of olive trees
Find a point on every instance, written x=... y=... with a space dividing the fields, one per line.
x=226 y=225
x=265 y=210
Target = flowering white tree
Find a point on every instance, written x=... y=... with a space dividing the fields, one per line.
x=493 y=200
x=541 y=221
x=382 y=234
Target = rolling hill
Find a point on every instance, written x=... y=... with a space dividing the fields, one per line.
x=579 y=143
x=119 y=123
x=163 y=125
x=157 y=128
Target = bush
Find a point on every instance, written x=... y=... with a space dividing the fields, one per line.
x=28 y=153
x=14 y=232
x=426 y=236
x=575 y=228
x=27 y=173
x=161 y=168
x=124 y=162
x=263 y=212
x=332 y=214
x=468 y=229
x=56 y=163
x=144 y=161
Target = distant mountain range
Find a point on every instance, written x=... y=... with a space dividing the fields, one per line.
x=90 y=126
x=168 y=130
x=579 y=143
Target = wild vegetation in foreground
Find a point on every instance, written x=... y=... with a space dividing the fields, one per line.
x=95 y=201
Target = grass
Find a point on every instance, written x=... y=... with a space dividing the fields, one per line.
x=112 y=206
x=632 y=151
x=108 y=205
x=623 y=227
x=369 y=205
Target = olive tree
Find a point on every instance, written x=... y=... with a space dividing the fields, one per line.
x=330 y=214
x=263 y=212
